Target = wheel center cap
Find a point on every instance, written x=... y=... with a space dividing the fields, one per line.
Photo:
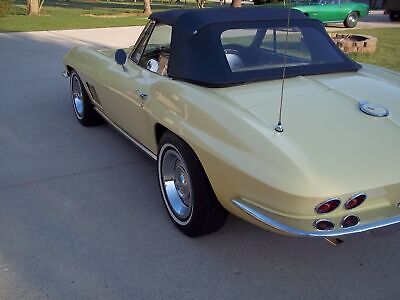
x=181 y=184
x=182 y=179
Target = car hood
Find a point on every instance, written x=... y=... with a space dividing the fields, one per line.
x=325 y=133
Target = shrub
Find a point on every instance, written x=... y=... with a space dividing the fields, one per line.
x=4 y=7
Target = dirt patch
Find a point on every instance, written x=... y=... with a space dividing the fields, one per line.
x=352 y=43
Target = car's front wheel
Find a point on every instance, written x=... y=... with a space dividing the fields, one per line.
x=351 y=20
x=83 y=107
x=395 y=16
x=185 y=189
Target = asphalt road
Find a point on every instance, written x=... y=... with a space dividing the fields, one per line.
x=81 y=215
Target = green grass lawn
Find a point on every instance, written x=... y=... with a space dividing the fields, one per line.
x=387 y=54
x=73 y=14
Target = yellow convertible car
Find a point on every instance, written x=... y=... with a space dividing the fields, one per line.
x=202 y=92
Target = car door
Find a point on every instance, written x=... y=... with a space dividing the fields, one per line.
x=123 y=92
x=151 y=59
x=333 y=11
x=317 y=10
x=323 y=10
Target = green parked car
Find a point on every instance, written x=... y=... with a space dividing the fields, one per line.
x=329 y=11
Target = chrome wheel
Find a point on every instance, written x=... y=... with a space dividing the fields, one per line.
x=186 y=191
x=77 y=96
x=352 y=20
x=394 y=16
x=83 y=108
x=175 y=184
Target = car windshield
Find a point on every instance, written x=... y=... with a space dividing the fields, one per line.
x=254 y=49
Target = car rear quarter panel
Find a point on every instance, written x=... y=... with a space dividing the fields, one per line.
x=361 y=8
x=239 y=156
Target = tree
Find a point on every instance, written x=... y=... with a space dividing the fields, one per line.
x=236 y=3
x=33 y=7
x=147 y=7
x=4 y=7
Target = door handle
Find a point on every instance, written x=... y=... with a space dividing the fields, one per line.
x=142 y=95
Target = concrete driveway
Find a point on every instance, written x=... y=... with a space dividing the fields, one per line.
x=81 y=215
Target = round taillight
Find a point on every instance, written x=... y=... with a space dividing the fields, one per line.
x=355 y=200
x=323 y=225
x=349 y=221
x=327 y=206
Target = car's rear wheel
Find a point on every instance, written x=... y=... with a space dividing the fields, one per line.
x=351 y=20
x=185 y=189
x=395 y=16
x=83 y=107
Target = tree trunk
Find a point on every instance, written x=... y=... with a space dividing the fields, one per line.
x=236 y=3
x=32 y=7
x=200 y=3
x=147 y=7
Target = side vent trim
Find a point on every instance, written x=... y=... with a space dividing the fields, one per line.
x=93 y=93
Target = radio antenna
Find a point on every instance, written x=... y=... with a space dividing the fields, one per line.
x=279 y=126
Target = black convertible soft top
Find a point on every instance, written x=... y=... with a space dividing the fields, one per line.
x=197 y=54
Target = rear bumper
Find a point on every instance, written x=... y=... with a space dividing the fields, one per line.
x=264 y=217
